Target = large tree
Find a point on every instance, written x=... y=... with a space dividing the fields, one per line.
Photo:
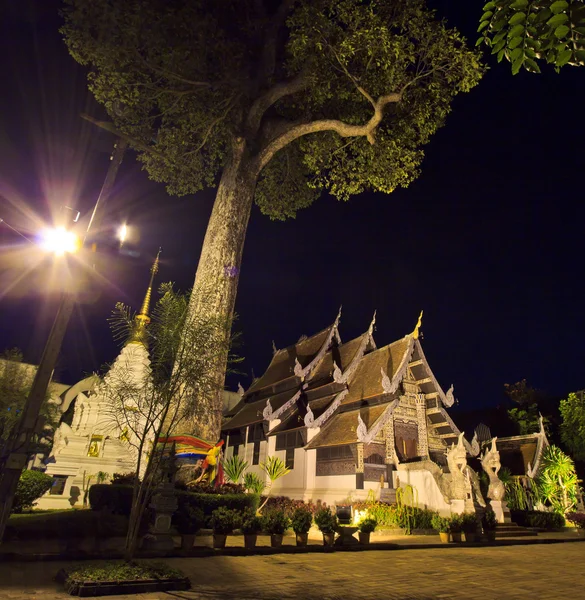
x=572 y=428
x=272 y=102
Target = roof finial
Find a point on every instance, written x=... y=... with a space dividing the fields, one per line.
x=415 y=333
x=372 y=324
x=142 y=319
x=274 y=349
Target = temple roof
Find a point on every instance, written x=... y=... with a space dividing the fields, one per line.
x=251 y=412
x=367 y=380
x=342 y=428
x=283 y=361
x=342 y=356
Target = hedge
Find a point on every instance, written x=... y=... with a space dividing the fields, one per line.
x=31 y=486
x=538 y=519
x=65 y=524
x=394 y=516
x=118 y=500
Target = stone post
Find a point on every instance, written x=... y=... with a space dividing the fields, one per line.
x=421 y=418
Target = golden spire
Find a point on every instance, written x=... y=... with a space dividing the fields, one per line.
x=142 y=319
x=418 y=326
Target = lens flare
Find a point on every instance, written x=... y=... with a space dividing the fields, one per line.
x=123 y=233
x=59 y=241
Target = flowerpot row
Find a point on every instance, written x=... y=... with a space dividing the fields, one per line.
x=219 y=540
x=468 y=537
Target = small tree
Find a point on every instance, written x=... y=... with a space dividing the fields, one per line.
x=275 y=468
x=557 y=484
x=527 y=414
x=31 y=486
x=572 y=411
x=150 y=403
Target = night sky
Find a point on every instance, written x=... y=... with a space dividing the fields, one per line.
x=489 y=241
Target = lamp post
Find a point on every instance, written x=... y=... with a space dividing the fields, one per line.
x=17 y=449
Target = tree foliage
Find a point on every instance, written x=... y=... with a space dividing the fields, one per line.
x=31 y=486
x=572 y=427
x=185 y=78
x=16 y=379
x=527 y=31
x=526 y=415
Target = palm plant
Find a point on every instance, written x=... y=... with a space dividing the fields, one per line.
x=275 y=468
x=234 y=467
x=557 y=483
x=253 y=483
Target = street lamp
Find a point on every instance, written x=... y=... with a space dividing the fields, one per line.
x=59 y=241
x=15 y=454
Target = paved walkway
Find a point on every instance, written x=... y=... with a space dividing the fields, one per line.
x=537 y=572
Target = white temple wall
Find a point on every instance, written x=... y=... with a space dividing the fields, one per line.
x=429 y=494
x=292 y=484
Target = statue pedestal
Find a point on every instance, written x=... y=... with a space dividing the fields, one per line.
x=164 y=503
x=501 y=510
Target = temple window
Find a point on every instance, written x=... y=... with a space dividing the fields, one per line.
x=288 y=441
x=256 y=454
x=335 y=460
x=58 y=485
x=95 y=445
x=234 y=440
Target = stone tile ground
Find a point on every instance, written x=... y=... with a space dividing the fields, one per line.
x=538 y=572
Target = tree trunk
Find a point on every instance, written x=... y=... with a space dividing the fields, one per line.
x=216 y=280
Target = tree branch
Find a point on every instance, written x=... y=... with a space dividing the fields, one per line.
x=343 y=129
x=273 y=95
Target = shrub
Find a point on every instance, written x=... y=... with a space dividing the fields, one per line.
x=224 y=520
x=469 y=523
x=122 y=571
x=489 y=521
x=31 y=486
x=397 y=517
x=117 y=499
x=326 y=521
x=441 y=524
x=205 y=488
x=367 y=525
x=65 y=524
x=188 y=519
x=250 y=523
x=288 y=505
x=578 y=519
x=455 y=524
x=302 y=519
x=123 y=478
x=538 y=519
x=275 y=521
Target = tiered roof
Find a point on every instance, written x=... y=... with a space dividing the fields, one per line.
x=348 y=390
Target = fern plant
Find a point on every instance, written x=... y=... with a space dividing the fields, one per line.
x=234 y=467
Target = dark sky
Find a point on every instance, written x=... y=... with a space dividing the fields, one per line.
x=488 y=241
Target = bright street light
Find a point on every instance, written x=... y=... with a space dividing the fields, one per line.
x=59 y=241
x=122 y=233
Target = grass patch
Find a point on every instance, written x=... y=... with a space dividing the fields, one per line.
x=65 y=524
x=122 y=571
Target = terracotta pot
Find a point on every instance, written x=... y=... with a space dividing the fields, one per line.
x=187 y=541
x=250 y=540
x=364 y=537
x=444 y=535
x=276 y=540
x=456 y=536
x=470 y=537
x=329 y=539
x=219 y=540
x=302 y=539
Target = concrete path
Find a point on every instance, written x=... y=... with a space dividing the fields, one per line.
x=533 y=572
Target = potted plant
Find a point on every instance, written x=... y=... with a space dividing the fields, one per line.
x=223 y=522
x=251 y=526
x=365 y=527
x=441 y=524
x=327 y=523
x=301 y=521
x=275 y=522
x=489 y=524
x=188 y=521
x=469 y=526
x=455 y=527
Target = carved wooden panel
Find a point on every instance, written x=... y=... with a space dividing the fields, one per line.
x=374 y=472
x=336 y=467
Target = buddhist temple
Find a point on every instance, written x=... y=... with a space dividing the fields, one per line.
x=350 y=417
